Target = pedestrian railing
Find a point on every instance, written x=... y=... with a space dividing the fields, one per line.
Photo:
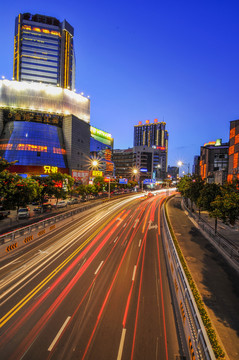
x=226 y=247
x=199 y=346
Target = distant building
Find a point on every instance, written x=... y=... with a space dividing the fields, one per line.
x=173 y=171
x=233 y=167
x=196 y=165
x=124 y=163
x=151 y=149
x=214 y=161
x=43 y=51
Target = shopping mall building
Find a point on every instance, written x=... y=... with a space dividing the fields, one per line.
x=44 y=123
x=44 y=128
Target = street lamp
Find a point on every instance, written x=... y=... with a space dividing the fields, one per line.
x=95 y=164
x=134 y=172
x=180 y=163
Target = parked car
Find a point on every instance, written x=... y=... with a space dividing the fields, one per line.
x=38 y=208
x=43 y=208
x=23 y=213
x=61 y=204
x=72 y=201
x=3 y=212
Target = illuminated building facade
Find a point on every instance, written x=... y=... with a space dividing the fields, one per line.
x=45 y=128
x=101 y=147
x=214 y=161
x=151 y=134
x=151 y=149
x=233 y=166
x=43 y=51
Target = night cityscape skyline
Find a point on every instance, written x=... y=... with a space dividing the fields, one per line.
x=150 y=66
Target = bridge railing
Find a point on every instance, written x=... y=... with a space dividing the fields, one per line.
x=198 y=343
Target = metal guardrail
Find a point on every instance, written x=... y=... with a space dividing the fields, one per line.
x=225 y=246
x=11 y=240
x=199 y=346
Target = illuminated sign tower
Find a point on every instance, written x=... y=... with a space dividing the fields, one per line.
x=43 y=51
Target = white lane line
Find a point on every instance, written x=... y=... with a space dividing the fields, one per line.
x=135 y=223
x=134 y=272
x=140 y=242
x=10 y=263
x=120 y=352
x=99 y=267
x=59 y=333
x=124 y=225
x=116 y=239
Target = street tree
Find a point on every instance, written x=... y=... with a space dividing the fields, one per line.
x=190 y=186
x=59 y=189
x=7 y=188
x=23 y=192
x=4 y=164
x=207 y=195
x=226 y=205
x=99 y=182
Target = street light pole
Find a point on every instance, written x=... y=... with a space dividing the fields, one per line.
x=109 y=189
x=180 y=163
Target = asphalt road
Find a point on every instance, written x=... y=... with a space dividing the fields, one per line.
x=96 y=289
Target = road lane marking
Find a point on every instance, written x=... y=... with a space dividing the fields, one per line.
x=135 y=223
x=140 y=242
x=155 y=226
x=10 y=263
x=134 y=272
x=99 y=267
x=120 y=352
x=116 y=239
x=59 y=333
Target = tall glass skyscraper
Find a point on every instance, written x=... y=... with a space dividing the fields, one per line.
x=43 y=51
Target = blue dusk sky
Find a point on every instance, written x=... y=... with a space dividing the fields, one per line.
x=174 y=60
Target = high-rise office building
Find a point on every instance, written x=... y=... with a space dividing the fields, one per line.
x=43 y=51
x=151 y=149
x=151 y=134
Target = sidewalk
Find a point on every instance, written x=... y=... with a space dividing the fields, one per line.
x=229 y=232
x=217 y=282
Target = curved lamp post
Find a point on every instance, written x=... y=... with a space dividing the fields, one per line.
x=180 y=163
